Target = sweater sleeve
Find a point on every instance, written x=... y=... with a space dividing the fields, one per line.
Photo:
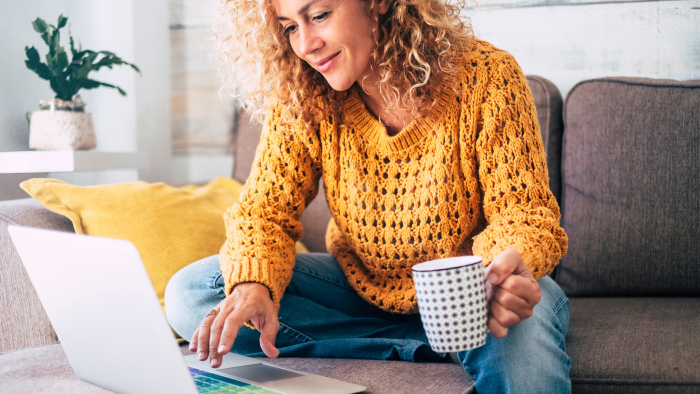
x=262 y=228
x=520 y=210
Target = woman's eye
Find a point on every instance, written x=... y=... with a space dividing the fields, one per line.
x=321 y=17
x=289 y=29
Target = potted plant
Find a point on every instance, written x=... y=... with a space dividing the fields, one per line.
x=62 y=123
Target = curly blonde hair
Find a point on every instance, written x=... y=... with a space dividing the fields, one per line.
x=416 y=45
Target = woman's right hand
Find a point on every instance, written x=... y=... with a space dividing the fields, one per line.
x=248 y=301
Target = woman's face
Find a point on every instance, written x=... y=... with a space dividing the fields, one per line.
x=332 y=36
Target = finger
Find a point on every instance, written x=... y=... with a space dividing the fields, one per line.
x=497 y=330
x=193 y=341
x=490 y=288
x=203 y=340
x=217 y=327
x=268 y=333
x=232 y=325
x=504 y=265
x=525 y=288
x=513 y=303
x=503 y=316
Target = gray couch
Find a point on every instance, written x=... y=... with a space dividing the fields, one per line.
x=624 y=162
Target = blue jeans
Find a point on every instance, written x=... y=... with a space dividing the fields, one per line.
x=322 y=316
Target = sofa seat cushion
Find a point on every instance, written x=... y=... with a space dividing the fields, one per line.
x=634 y=345
x=46 y=370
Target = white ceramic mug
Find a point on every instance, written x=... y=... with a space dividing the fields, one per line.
x=451 y=297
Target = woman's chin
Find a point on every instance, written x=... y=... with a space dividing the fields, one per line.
x=339 y=86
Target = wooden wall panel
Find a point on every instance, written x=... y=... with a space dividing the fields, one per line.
x=570 y=43
x=201 y=119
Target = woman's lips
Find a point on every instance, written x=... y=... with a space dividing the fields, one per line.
x=326 y=64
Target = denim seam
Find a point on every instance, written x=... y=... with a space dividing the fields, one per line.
x=560 y=305
x=213 y=283
x=318 y=276
x=305 y=337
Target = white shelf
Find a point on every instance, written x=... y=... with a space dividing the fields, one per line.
x=69 y=161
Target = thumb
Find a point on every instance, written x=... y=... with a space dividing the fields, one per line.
x=267 y=340
x=502 y=266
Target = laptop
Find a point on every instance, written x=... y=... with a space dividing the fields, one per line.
x=107 y=316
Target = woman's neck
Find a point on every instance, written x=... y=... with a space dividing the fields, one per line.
x=394 y=119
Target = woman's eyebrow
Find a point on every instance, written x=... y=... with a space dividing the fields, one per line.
x=301 y=10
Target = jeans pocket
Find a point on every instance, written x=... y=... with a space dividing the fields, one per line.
x=217 y=282
x=288 y=336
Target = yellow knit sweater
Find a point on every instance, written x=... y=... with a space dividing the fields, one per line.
x=469 y=178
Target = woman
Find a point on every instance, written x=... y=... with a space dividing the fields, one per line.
x=428 y=144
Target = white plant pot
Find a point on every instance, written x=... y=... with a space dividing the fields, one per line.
x=60 y=130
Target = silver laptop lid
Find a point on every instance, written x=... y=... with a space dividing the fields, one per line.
x=104 y=310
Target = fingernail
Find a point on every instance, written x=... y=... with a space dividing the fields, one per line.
x=213 y=362
x=222 y=348
x=493 y=278
x=201 y=356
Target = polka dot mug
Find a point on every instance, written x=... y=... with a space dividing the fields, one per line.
x=452 y=302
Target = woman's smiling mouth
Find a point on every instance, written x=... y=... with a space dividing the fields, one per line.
x=325 y=64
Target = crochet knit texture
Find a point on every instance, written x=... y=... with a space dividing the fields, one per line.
x=469 y=178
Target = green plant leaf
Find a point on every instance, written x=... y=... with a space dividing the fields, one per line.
x=61 y=21
x=56 y=42
x=82 y=71
x=45 y=37
x=32 y=55
x=40 y=25
x=92 y=84
x=72 y=46
x=62 y=58
x=61 y=93
x=52 y=62
x=110 y=60
x=34 y=63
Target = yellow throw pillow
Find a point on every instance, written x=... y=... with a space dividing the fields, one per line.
x=170 y=227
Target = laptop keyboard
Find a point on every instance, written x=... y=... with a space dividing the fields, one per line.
x=215 y=384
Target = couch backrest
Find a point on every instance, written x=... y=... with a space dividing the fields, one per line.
x=549 y=106
x=316 y=217
x=631 y=186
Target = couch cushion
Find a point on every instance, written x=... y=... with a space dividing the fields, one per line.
x=170 y=227
x=23 y=321
x=634 y=345
x=548 y=103
x=631 y=185
x=46 y=370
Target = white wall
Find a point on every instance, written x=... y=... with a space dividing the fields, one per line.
x=569 y=42
x=20 y=91
x=135 y=30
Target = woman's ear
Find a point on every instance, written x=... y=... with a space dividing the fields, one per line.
x=382 y=6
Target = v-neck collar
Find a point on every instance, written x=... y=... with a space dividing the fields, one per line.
x=356 y=112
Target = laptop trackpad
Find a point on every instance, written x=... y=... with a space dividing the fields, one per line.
x=259 y=373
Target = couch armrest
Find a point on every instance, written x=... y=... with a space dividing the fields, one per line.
x=23 y=322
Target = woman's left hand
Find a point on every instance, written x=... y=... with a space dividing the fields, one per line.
x=513 y=290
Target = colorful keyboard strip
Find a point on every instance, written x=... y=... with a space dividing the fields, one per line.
x=215 y=384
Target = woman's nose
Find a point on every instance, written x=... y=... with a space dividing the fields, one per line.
x=309 y=42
